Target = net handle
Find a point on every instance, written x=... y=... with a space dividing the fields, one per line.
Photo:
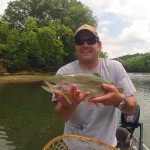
x=78 y=137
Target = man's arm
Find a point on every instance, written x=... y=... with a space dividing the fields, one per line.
x=130 y=104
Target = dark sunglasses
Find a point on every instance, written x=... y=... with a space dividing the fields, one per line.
x=90 y=41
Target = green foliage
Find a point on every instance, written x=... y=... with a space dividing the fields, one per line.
x=17 y=58
x=65 y=35
x=3 y=36
x=52 y=47
x=36 y=34
x=17 y=13
x=136 y=62
x=31 y=24
x=103 y=54
x=36 y=48
x=70 y=12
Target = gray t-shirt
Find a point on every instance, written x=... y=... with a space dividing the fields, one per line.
x=99 y=123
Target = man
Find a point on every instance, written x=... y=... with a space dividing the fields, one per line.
x=97 y=123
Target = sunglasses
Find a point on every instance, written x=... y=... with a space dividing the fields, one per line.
x=90 y=41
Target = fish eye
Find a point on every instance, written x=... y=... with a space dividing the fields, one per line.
x=53 y=83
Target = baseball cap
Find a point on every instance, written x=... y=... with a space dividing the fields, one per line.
x=86 y=27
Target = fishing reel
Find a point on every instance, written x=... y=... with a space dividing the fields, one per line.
x=125 y=132
x=130 y=122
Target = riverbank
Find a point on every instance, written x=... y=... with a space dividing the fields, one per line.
x=32 y=77
x=24 y=77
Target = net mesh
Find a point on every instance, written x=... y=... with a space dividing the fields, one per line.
x=75 y=142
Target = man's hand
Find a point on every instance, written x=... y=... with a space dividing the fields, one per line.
x=65 y=110
x=114 y=97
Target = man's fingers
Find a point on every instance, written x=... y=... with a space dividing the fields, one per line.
x=76 y=95
x=57 y=94
x=108 y=88
x=61 y=98
x=83 y=96
x=73 y=88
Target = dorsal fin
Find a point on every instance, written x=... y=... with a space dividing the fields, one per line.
x=96 y=74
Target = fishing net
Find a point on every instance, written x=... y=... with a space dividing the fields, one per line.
x=75 y=142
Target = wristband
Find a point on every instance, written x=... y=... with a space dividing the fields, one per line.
x=122 y=103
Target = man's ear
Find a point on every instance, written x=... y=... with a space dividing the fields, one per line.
x=100 y=44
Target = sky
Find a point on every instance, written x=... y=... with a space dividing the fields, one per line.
x=123 y=25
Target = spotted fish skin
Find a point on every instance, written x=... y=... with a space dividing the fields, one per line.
x=84 y=82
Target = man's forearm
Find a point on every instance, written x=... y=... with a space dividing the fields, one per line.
x=64 y=113
x=130 y=105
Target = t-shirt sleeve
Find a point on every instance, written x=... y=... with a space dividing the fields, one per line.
x=122 y=79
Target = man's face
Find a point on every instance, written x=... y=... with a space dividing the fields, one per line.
x=87 y=47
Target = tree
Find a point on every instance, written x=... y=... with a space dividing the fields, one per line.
x=12 y=54
x=136 y=63
x=65 y=35
x=30 y=46
x=103 y=54
x=3 y=36
x=52 y=47
x=31 y=24
x=71 y=13
x=36 y=48
x=40 y=32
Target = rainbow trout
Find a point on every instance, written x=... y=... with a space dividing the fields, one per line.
x=84 y=82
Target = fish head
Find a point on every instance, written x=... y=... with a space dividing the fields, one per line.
x=53 y=80
x=58 y=82
x=52 y=83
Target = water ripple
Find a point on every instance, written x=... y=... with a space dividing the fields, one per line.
x=5 y=144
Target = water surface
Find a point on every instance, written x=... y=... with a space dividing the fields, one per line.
x=28 y=122
x=142 y=84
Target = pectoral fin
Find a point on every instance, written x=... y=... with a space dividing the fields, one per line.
x=68 y=97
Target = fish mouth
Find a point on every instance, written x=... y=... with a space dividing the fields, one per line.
x=47 y=83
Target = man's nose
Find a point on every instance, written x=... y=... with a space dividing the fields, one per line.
x=85 y=43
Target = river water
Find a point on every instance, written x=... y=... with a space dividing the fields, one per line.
x=27 y=120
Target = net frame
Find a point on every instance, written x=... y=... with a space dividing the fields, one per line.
x=77 y=137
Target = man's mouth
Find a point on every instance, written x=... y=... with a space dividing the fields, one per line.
x=85 y=51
